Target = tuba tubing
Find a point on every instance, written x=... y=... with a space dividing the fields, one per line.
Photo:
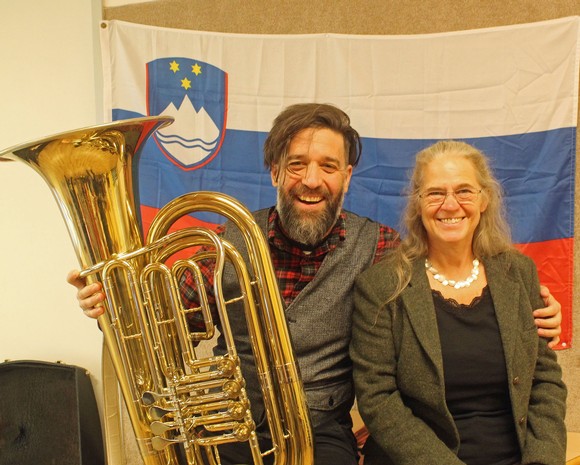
x=181 y=407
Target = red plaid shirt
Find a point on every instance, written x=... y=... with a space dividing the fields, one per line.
x=294 y=265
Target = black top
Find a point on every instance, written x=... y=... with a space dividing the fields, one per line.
x=476 y=385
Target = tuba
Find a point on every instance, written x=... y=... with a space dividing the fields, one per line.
x=181 y=407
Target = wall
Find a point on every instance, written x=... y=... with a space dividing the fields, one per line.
x=340 y=16
x=49 y=83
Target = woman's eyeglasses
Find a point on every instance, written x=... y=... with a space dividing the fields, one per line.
x=463 y=195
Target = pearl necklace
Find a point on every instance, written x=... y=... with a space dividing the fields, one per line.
x=449 y=282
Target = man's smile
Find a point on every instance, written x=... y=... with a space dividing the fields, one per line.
x=310 y=199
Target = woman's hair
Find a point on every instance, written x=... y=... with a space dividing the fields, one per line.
x=492 y=234
x=301 y=116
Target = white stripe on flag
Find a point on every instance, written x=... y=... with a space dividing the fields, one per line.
x=478 y=83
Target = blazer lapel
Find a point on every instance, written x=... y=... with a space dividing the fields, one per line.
x=505 y=294
x=418 y=303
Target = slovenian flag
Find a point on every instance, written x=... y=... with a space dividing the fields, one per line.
x=510 y=91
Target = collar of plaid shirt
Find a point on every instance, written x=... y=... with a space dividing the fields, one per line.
x=296 y=266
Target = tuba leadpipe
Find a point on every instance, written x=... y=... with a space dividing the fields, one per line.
x=181 y=406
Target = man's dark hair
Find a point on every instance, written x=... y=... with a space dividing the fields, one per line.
x=301 y=116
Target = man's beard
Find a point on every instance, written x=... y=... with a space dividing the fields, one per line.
x=307 y=228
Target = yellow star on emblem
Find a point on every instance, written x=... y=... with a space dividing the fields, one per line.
x=196 y=69
x=174 y=66
x=185 y=83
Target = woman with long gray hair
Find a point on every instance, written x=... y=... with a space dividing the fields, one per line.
x=448 y=366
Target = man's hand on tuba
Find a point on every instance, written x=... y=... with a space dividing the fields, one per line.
x=90 y=296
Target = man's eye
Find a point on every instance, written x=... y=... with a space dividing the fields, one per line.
x=465 y=191
x=329 y=168
x=296 y=165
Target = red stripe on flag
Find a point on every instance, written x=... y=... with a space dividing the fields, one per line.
x=148 y=214
x=555 y=268
x=552 y=258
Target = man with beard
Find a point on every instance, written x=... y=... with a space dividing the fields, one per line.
x=317 y=250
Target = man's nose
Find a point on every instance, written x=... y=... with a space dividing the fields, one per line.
x=313 y=176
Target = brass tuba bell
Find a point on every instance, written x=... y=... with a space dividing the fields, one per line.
x=181 y=406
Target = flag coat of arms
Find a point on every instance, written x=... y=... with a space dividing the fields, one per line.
x=197 y=104
x=510 y=91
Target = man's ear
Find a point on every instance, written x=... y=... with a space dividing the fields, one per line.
x=348 y=176
x=274 y=175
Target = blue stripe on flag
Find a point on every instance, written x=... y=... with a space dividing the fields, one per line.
x=535 y=169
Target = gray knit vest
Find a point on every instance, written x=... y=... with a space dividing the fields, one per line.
x=319 y=320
